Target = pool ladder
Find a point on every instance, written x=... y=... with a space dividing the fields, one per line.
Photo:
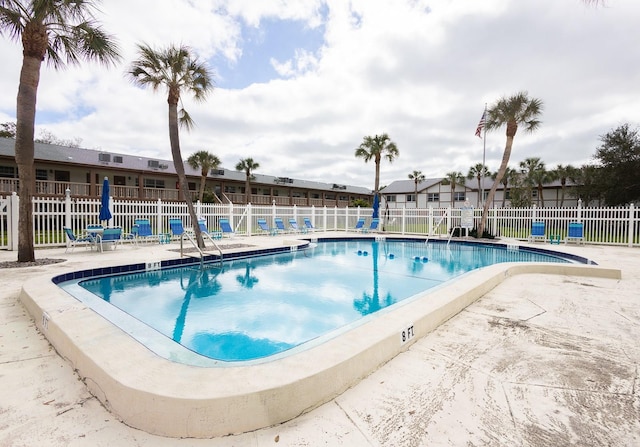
x=191 y=239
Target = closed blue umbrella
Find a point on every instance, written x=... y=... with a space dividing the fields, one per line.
x=105 y=213
x=376 y=206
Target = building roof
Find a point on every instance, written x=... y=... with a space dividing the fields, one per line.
x=106 y=159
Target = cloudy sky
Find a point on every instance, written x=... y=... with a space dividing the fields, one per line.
x=299 y=83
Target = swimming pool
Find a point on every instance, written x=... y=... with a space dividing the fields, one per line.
x=268 y=306
x=164 y=395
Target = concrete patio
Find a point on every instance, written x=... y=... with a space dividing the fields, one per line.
x=541 y=360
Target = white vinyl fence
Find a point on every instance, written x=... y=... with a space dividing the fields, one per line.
x=613 y=226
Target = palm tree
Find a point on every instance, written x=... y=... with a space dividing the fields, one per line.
x=375 y=148
x=453 y=179
x=177 y=70
x=206 y=161
x=248 y=166
x=60 y=32
x=478 y=171
x=563 y=173
x=535 y=175
x=417 y=177
x=510 y=175
x=513 y=111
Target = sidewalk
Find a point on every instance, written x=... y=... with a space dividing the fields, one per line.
x=541 y=360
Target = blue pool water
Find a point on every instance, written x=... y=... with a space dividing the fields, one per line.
x=254 y=308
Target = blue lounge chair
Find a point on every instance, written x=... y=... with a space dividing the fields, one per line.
x=294 y=228
x=226 y=228
x=144 y=232
x=87 y=239
x=176 y=227
x=373 y=226
x=264 y=227
x=110 y=236
x=576 y=233
x=205 y=231
x=279 y=225
x=307 y=223
x=537 y=232
x=359 y=225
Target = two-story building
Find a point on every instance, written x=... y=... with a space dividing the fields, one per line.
x=59 y=168
x=438 y=193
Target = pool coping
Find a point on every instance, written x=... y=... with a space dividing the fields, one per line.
x=171 y=399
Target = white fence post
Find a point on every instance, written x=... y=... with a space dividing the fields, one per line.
x=494 y=218
x=159 y=216
x=249 y=219
x=12 y=222
x=67 y=208
x=632 y=215
x=403 y=227
x=430 y=221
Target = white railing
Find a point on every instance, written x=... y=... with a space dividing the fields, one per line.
x=612 y=226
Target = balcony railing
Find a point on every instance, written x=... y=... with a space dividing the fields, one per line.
x=50 y=188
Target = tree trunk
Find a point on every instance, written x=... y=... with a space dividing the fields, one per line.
x=503 y=168
x=202 y=183
x=24 y=150
x=174 y=139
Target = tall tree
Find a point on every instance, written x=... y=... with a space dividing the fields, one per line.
x=248 y=166
x=205 y=161
x=535 y=175
x=619 y=157
x=453 y=179
x=178 y=70
x=564 y=173
x=479 y=172
x=8 y=130
x=517 y=110
x=417 y=177
x=61 y=32
x=374 y=148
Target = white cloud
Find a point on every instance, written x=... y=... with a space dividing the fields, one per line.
x=420 y=70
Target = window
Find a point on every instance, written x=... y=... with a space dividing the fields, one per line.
x=459 y=196
x=192 y=186
x=7 y=172
x=119 y=180
x=433 y=197
x=411 y=198
x=62 y=176
x=230 y=189
x=390 y=198
x=153 y=163
x=41 y=174
x=117 y=159
x=534 y=193
x=153 y=183
x=507 y=196
x=104 y=157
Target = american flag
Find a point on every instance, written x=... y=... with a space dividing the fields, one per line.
x=480 y=125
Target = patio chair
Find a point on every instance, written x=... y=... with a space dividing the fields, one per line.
x=202 y=223
x=279 y=225
x=308 y=225
x=294 y=228
x=373 y=225
x=144 y=232
x=110 y=236
x=265 y=229
x=225 y=226
x=85 y=239
x=359 y=225
x=576 y=233
x=537 y=232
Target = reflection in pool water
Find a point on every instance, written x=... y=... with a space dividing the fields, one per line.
x=257 y=307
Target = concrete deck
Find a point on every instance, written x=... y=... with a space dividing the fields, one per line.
x=539 y=360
